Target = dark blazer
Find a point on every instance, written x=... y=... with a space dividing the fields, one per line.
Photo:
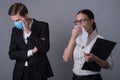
x=39 y=66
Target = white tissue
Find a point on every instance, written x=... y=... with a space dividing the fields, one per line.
x=82 y=38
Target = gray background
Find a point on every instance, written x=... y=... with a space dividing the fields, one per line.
x=60 y=15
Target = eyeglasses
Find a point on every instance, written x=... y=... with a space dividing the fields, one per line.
x=81 y=21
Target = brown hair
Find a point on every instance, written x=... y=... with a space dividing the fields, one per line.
x=18 y=8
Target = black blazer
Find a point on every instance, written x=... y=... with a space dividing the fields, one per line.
x=39 y=66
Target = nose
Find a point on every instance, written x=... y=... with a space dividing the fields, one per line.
x=78 y=24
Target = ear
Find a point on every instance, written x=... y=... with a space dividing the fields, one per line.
x=92 y=21
x=26 y=16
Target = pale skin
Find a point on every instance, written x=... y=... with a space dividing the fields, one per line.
x=68 y=52
x=26 y=21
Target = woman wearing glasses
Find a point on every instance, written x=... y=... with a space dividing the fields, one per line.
x=84 y=35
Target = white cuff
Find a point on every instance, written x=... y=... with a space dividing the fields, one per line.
x=110 y=63
x=29 y=53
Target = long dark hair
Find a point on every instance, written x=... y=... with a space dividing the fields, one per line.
x=90 y=15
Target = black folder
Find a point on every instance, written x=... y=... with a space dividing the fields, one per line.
x=102 y=48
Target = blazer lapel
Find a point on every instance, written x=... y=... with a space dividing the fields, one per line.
x=22 y=41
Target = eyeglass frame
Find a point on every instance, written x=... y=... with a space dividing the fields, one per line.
x=81 y=21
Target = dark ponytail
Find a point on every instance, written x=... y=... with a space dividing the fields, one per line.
x=94 y=26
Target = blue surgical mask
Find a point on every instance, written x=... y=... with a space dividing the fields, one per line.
x=18 y=24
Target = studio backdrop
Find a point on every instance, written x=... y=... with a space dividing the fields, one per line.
x=60 y=14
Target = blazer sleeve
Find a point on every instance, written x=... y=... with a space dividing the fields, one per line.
x=41 y=38
x=14 y=52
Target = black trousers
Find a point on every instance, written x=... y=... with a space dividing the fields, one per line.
x=88 y=77
x=25 y=74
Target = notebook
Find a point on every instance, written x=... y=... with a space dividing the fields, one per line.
x=102 y=48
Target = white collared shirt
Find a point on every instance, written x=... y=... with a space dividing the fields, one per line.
x=26 y=35
x=78 y=54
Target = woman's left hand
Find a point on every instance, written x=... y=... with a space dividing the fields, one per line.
x=89 y=57
x=26 y=25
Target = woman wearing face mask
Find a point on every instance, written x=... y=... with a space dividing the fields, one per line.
x=84 y=35
x=29 y=45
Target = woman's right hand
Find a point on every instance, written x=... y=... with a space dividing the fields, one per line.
x=76 y=31
x=34 y=50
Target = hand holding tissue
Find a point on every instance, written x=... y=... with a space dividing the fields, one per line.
x=82 y=38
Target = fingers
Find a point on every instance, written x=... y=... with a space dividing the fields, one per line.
x=24 y=21
x=76 y=31
x=87 y=54
x=88 y=57
x=25 y=25
x=34 y=50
